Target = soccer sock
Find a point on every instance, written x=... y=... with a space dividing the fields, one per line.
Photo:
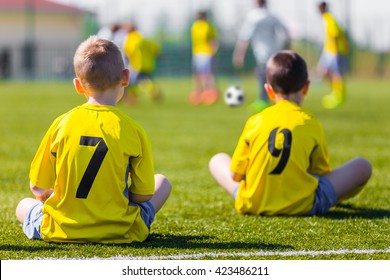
x=338 y=89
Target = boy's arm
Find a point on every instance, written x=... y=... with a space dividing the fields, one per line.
x=137 y=198
x=40 y=194
x=239 y=53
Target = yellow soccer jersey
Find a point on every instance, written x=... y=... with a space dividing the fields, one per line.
x=141 y=52
x=278 y=151
x=92 y=156
x=335 y=41
x=202 y=36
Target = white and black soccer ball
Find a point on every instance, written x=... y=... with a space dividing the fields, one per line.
x=234 y=96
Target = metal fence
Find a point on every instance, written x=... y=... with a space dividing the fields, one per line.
x=30 y=62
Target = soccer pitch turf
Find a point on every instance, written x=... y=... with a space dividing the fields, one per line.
x=198 y=220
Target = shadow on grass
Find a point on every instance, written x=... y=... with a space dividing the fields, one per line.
x=172 y=241
x=156 y=240
x=31 y=249
x=348 y=211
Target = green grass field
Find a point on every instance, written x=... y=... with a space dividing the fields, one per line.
x=198 y=221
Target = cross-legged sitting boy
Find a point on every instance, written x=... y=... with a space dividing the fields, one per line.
x=281 y=165
x=93 y=176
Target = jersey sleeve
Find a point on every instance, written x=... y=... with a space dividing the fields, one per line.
x=332 y=30
x=247 y=29
x=42 y=170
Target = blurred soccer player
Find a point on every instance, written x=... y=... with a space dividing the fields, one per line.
x=142 y=54
x=204 y=47
x=267 y=35
x=333 y=60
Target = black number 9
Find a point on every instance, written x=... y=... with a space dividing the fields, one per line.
x=276 y=152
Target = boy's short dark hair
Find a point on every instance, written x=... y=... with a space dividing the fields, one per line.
x=201 y=15
x=323 y=6
x=261 y=3
x=286 y=72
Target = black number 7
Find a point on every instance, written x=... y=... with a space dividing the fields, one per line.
x=276 y=152
x=93 y=166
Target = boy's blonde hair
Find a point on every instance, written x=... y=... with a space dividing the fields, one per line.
x=98 y=64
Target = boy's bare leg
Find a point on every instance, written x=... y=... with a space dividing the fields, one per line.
x=162 y=190
x=350 y=177
x=219 y=166
x=24 y=205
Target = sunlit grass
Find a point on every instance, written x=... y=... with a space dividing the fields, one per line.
x=199 y=216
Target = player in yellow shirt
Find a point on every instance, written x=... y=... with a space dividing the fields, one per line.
x=281 y=165
x=93 y=175
x=142 y=54
x=204 y=40
x=333 y=60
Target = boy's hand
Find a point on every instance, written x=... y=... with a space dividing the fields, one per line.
x=40 y=194
x=45 y=195
x=237 y=177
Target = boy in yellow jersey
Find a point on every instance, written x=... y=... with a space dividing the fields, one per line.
x=280 y=165
x=333 y=60
x=204 y=46
x=93 y=176
x=142 y=54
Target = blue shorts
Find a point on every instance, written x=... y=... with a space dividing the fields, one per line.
x=336 y=64
x=202 y=64
x=33 y=219
x=325 y=197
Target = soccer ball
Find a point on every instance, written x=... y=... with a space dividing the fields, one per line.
x=234 y=96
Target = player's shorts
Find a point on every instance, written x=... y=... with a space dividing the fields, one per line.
x=147 y=212
x=325 y=197
x=336 y=64
x=202 y=63
x=33 y=219
x=32 y=222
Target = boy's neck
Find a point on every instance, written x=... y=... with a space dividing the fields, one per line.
x=108 y=97
x=293 y=97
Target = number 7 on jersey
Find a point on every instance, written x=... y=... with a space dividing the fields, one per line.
x=93 y=166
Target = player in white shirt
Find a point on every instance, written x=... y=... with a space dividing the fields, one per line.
x=267 y=35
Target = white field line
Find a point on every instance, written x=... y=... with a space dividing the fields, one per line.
x=251 y=254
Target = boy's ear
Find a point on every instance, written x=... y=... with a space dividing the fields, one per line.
x=125 y=77
x=78 y=86
x=270 y=91
x=306 y=87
